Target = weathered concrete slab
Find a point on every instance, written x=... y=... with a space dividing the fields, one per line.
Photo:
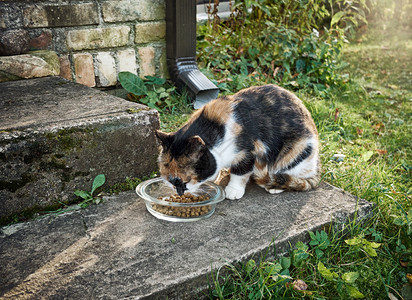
x=34 y=64
x=117 y=250
x=56 y=136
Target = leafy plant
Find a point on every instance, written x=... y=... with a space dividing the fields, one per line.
x=89 y=197
x=361 y=243
x=261 y=281
x=299 y=254
x=152 y=91
x=348 y=14
x=320 y=242
x=275 y=42
x=404 y=219
x=344 y=282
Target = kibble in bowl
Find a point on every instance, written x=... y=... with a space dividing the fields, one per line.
x=163 y=202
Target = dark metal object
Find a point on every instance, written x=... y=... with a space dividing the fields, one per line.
x=181 y=52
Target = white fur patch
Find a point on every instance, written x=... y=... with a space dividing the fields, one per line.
x=235 y=189
x=192 y=188
x=225 y=151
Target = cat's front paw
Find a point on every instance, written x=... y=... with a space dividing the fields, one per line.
x=233 y=193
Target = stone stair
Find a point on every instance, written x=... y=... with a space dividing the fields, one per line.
x=56 y=136
x=118 y=250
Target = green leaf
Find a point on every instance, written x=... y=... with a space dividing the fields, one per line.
x=300 y=65
x=98 y=181
x=299 y=255
x=324 y=236
x=132 y=83
x=84 y=204
x=314 y=243
x=312 y=235
x=374 y=245
x=155 y=80
x=160 y=90
x=83 y=194
x=163 y=95
x=324 y=240
x=336 y=18
x=354 y=241
x=367 y=156
x=368 y=249
x=286 y=65
x=353 y=292
x=271 y=269
x=325 y=272
x=285 y=262
x=319 y=253
x=350 y=277
x=302 y=246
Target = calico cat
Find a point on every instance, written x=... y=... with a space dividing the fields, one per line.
x=265 y=132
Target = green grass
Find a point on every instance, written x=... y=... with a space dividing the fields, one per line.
x=368 y=120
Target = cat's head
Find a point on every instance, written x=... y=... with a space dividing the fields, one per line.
x=185 y=162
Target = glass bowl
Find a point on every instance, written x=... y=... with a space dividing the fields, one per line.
x=155 y=191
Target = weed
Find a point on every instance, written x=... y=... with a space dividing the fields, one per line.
x=344 y=284
x=320 y=242
x=153 y=91
x=360 y=243
x=89 y=197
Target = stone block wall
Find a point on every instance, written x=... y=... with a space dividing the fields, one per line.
x=94 y=39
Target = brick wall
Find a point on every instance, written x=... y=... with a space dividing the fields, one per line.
x=94 y=39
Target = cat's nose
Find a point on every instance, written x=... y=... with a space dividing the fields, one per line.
x=179 y=184
x=175 y=180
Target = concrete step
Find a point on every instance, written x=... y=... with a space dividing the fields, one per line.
x=56 y=136
x=117 y=250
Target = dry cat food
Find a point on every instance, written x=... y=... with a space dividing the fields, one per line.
x=183 y=212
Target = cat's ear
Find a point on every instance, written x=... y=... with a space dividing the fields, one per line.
x=195 y=144
x=166 y=139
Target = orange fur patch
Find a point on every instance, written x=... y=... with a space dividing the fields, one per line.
x=260 y=149
x=237 y=129
x=261 y=174
x=181 y=168
x=219 y=110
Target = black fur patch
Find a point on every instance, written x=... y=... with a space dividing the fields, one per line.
x=243 y=167
x=261 y=112
x=206 y=166
x=210 y=131
x=282 y=179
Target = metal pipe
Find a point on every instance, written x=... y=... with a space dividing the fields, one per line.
x=181 y=52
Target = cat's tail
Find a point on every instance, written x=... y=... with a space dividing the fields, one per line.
x=280 y=182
